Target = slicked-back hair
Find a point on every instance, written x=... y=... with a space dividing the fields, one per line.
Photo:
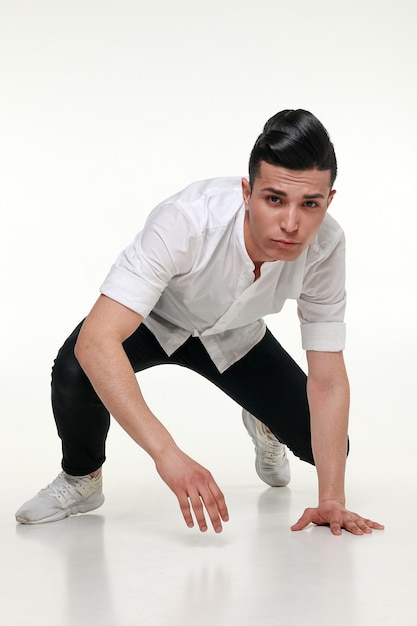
x=296 y=140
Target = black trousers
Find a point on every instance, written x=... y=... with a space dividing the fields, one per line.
x=266 y=381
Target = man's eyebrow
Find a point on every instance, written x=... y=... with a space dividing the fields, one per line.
x=312 y=196
x=276 y=192
x=279 y=192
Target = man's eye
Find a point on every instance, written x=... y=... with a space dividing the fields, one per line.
x=311 y=204
x=273 y=199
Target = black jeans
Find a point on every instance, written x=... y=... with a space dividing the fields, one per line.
x=266 y=381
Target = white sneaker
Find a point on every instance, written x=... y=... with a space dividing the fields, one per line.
x=272 y=465
x=66 y=495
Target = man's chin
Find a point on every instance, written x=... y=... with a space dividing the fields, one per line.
x=288 y=255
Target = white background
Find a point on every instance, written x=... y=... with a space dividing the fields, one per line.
x=106 y=108
x=109 y=107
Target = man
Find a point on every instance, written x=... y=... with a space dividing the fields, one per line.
x=191 y=290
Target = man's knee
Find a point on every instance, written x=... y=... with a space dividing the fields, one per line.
x=67 y=375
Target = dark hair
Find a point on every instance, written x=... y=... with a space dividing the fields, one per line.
x=296 y=140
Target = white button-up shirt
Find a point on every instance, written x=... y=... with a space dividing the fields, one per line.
x=188 y=273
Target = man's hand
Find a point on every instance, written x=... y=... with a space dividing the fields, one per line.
x=193 y=484
x=334 y=514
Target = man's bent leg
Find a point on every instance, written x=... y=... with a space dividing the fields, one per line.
x=266 y=382
x=82 y=422
x=277 y=394
x=81 y=418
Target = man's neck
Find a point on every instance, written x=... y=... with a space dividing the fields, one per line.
x=257 y=270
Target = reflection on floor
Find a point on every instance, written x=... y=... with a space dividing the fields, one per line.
x=133 y=562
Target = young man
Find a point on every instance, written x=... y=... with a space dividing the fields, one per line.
x=192 y=290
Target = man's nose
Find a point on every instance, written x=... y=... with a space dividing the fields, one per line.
x=289 y=219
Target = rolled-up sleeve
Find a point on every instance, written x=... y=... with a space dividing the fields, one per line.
x=322 y=303
x=143 y=270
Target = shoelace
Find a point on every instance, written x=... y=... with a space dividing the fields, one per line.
x=61 y=485
x=274 y=450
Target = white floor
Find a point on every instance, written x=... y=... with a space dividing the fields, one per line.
x=134 y=563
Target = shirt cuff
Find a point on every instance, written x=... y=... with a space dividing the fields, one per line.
x=324 y=336
x=130 y=290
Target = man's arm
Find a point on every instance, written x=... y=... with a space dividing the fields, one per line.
x=328 y=396
x=100 y=353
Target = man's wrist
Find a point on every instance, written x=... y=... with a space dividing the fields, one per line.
x=341 y=501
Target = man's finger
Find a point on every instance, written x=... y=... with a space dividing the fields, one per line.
x=213 y=511
x=374 y=525
x=304 y=521
x=219 y=502
x=216 y=506
x=186 y=511
x=197 y=507
x=335 y=528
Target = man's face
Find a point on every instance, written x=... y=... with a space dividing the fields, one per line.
x=284 y=210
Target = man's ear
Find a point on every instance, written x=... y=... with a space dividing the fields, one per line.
x=330 y=198
x=246 y=191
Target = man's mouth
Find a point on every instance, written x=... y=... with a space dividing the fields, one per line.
x=285 y=244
